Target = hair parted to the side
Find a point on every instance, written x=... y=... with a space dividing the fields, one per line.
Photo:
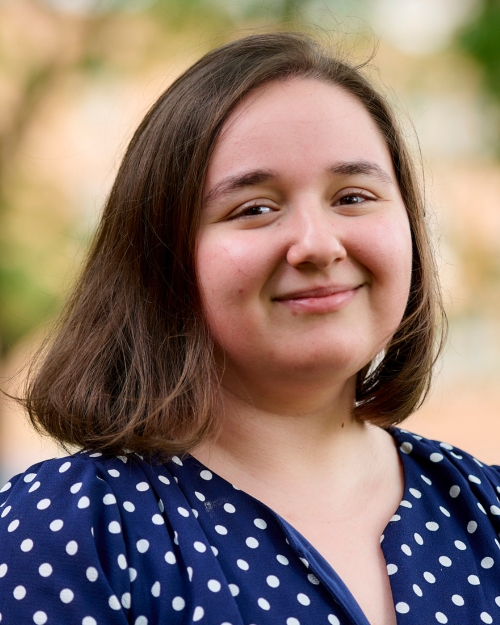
x=131 y=367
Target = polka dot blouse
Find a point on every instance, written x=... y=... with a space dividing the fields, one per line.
x=96 y=540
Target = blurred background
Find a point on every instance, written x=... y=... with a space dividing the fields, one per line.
x=76 y=77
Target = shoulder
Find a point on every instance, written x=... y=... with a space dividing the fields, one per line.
x=77 y=529
x=452 y=469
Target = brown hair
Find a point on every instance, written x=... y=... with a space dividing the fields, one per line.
x=132 y=365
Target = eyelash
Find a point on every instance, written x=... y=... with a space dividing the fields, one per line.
x=242 y=214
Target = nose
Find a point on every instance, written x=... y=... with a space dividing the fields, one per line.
x=313 y=238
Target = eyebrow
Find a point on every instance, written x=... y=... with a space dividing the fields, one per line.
x=260 y=176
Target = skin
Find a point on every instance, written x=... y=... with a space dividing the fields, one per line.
x=304 y=265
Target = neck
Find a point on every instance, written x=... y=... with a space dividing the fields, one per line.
x=317 y=433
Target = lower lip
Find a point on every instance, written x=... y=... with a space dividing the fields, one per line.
x=325 y=304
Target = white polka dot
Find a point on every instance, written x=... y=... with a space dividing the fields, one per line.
x=497 y=601
x=27 y=545
x=96 y=454
x=66 y=595
x=416 y=493
x=40 y=618
x=126 y=600
x=228 y=507
x=190 y=573
x=406 y=447
x=199 y=546
x=313 y=579
x=220 y=529
x=252 y=542
x=6 y=487
x=114 y=527
x=6 y=511
x=333 y=620
x=272 y=581
x=122 y=561
x=406 y=504
x=158 y=519
x=304 y=562
x=235 y=591
x=215 y=551
x=444 y=511
x=19 y=592
x=486 y=618
x=444 y=561
x=83 y=502
x=114 y=473
x=303 y=599
x=177 y=460
x=129 y=506
x=156 y=589
x=418 y=539
x=281 y=559
x=45 y=569
x=199 y=496
x=214 y=585
x=446 y=446
x=458 y=600
x=3 y=569
x=460 y=545
x=29 y=477
x=114 y=603
x=142 y=545
x=164 y=479
x=198 y=614
x=487 y=563
x=179 y=604
x=432 y=526
x=91 y=574
x=132 y=574
x=13 y=525
x=64 y=467
x=142 y=487
x=182 y=511
x=141 y=620
x=263 y=603
x=417 y=590
x=474 y=479
x=206 y=475
x=474 y=580
x=395 y=517
x=435 y=457
x=43 y=504
x=471 y=527
x=406 y=550
x=455 y=492
x=495 y=510
x=426 y=480
x=260 y=523
x=243 y=564
x=108 y=499
x=391 y=569
x=56 y=525
x=75 y=488
x=292 y=621
x=72 y=547
x=170 y=557
x=441 y=618
x=481 y=507
x=429 y=577
x=402 y=607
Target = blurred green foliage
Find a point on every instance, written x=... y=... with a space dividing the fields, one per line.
x=481 y=40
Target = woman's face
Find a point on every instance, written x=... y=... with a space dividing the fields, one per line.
x=304 y=250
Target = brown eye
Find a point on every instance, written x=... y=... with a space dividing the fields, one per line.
x=250 y=211
x=352 y=199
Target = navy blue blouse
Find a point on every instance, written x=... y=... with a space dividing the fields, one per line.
x=96 y=540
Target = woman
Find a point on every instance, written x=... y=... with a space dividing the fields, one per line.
x=258 y=310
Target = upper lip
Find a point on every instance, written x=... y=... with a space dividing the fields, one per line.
x=321 y=291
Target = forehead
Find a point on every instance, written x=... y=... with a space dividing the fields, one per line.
x=287 y=124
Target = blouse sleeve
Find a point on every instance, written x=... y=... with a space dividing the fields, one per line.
x=59 y=546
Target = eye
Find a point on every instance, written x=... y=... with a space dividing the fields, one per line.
x=353 y=198
x=253 y=211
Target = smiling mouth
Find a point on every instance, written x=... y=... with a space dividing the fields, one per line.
x=319 y=300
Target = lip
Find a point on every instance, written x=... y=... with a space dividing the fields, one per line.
x=320 y=299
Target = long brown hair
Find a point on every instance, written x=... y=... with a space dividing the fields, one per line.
x=132 y=364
